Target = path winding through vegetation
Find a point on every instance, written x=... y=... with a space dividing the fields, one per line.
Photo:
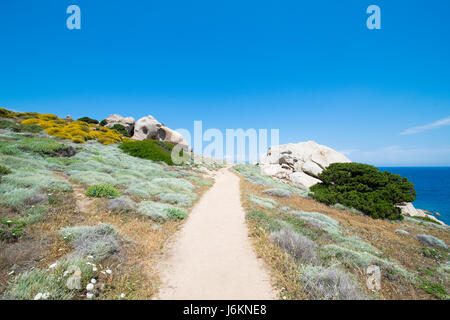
x=212 y=257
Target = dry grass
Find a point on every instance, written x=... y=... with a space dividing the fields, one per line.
x=404 y=249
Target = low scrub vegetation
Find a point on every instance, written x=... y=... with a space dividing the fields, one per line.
x=278 y=192
x=51 y=284
x=121 y=205
x=265 y=202
x=99 y=241
x=330 y=284
x=176 y=198
x=328 y=248
x=4 y=171
x=102 y=191
x=11 y=230
x=364 y=188
x=79 y=131
x=40 y=217
x=301 y=247
x=160 y=211
x=17 y=127
x=150 y=149
x=431 y=241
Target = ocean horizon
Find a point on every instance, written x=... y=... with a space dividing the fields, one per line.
x=432 y=186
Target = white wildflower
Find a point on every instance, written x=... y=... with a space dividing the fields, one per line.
x=38 y=296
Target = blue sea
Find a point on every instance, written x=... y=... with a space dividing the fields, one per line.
x=432 y=186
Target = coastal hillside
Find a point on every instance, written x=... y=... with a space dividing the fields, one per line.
x=318 y=251
x=84 y=211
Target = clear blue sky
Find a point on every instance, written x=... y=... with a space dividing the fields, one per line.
x=310 y=68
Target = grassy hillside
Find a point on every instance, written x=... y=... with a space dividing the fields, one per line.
x=320 y=252
x=76 y=213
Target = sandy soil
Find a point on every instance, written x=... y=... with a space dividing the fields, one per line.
x=212 y=257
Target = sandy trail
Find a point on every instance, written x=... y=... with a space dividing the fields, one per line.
x=212 y=257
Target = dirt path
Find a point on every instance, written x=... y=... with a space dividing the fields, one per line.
x=212 y=257
x=84 y=204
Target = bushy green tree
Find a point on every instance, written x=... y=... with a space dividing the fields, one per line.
x=121 y=129
x=88 y=120
x=150 y=149
x=365 y=188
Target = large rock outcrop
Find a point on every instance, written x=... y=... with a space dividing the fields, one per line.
x=114 y=119
x=299 y=163
x=150 y=128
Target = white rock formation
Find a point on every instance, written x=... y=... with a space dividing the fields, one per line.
x=300 y=162
x=150 y=128
x=113 y=119
x=303 y=180
x=409 y=210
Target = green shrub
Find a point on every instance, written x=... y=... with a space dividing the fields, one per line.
x=364 y=188
x=150 y=149
x=17 y=127
x=103 y=122
x=102 y=191
x=176 y=213
x=32 y=128
x=6 y=124
x=4 y=170
x=435 y=254
x=121 y=129
x=160 y=211
x=34 y=214
x=88 y=120
x=5 y=113
x=435 y=289
x=11 y=230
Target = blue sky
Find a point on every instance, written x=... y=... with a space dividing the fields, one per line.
x=309 y=68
